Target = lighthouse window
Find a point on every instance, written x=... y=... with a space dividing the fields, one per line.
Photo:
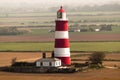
x=59 y=15
x=41 y=64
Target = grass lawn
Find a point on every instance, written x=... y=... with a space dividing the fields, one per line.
x=74 y=46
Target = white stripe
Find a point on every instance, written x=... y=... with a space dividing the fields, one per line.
x=62 y=52
x=61 y=34
x=62 y=55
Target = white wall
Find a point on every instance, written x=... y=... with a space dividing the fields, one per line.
x=47 y=63
x=38 y=64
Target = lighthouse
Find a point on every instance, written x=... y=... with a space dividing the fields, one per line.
x=62 y=46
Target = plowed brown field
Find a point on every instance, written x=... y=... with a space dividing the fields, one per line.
x=6 y=57
x=78 y=37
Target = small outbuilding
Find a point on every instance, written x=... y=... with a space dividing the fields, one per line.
x=48 y=62
x=97 y=30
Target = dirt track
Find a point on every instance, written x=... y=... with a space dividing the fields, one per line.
x=79 y=37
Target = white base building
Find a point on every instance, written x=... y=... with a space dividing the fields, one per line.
x=48 y=62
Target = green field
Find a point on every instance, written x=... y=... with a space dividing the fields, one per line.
x=75 y=46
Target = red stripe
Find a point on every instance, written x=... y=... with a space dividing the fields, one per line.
x=61 y=25
x=65 y=60
x=62 y=43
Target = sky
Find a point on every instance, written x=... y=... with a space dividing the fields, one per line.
x=48 y=3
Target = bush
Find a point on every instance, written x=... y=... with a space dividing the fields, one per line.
x=97 y=58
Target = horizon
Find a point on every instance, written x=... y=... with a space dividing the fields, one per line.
x=8 y=6
x=52 y=3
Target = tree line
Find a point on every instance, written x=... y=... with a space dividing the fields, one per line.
x=11 y=31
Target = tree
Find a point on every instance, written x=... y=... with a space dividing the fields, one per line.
x=97 y=57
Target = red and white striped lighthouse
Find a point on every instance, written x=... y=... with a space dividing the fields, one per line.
x=62 y=50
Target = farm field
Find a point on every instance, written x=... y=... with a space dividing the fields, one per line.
x=6 y=57
x=39 y=25
x=107 y=74
x=37 y=19
x=43 y=35
x=49 y=46
x=50 y=37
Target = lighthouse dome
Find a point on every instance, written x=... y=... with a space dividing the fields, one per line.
x=61 y=9
x=61 y=14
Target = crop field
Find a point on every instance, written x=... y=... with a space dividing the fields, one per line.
x=75 y=46
x=50 y=38
x=37 y=19
x=46 y=21
x=43 y=35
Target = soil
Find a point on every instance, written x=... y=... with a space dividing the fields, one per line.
x=102 y=74
x=79 y=37
x=6 y=57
